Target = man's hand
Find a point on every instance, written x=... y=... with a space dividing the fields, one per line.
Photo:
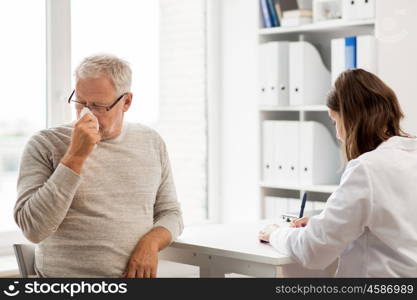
x=265 y=233
x=83 y=139
x=143 y=263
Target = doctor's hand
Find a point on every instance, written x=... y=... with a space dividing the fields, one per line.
x=143 y=262
x=265 y=233
x=301 y=222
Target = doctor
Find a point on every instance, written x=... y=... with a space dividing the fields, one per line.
x=369 y=221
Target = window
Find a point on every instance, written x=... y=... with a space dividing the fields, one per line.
x=183 y=101
x=23 y=77
x=128 y=29
x=165 y=43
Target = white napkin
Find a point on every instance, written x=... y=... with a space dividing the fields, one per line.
x=86 y=110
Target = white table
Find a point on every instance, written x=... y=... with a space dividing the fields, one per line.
x=219 y=249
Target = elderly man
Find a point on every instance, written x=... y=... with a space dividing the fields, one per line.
x=100 y=202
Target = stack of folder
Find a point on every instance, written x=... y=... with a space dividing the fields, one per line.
x=299 y=153
x=353 y=52
x=274 y=73
x=358 y=9
x=292 y=73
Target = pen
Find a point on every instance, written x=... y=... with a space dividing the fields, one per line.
x=303 y=204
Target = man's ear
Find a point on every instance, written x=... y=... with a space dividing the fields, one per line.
x=127 y=102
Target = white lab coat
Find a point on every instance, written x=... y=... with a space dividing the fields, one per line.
x=369 y=222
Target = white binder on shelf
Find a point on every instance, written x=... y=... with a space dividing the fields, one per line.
x=268 y=151
x=366 y=53
x=350 y=9
x=278 y=77
x=274 y=77
x=319 y=155
x=263 y=74
x=280 y=153
x=309 y=77
x=338 y=58
x=366 y=9
x=358 y=9
x=286 y=152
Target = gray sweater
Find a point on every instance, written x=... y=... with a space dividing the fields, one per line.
x=88 y=225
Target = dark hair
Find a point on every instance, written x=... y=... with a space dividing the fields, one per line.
x=368 y=108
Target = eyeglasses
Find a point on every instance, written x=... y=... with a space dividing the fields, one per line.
x=97 y=108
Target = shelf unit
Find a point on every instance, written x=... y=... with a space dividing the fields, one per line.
x=325 y=26
x=328 y=189
x=295 y=108
x=320 y=35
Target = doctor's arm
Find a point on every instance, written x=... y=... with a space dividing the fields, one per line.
x=344 y=219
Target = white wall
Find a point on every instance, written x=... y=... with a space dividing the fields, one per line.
x=239 y=142
x=396 y=29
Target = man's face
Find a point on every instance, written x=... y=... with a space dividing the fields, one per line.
x=101 y=91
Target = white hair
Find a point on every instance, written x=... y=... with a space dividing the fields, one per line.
x=107 y=65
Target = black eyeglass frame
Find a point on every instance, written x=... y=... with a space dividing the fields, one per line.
x=108 y=107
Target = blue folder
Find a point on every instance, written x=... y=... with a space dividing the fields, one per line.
x=350 y=52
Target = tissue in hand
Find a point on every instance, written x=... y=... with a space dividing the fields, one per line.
x=86 y=110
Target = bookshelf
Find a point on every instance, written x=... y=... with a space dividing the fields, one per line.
x=294 y=108
x=327 y=189
x=320 y=35
x=325 y=26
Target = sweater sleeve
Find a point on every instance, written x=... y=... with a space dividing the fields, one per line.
x=44 y=195
x=167 y=210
